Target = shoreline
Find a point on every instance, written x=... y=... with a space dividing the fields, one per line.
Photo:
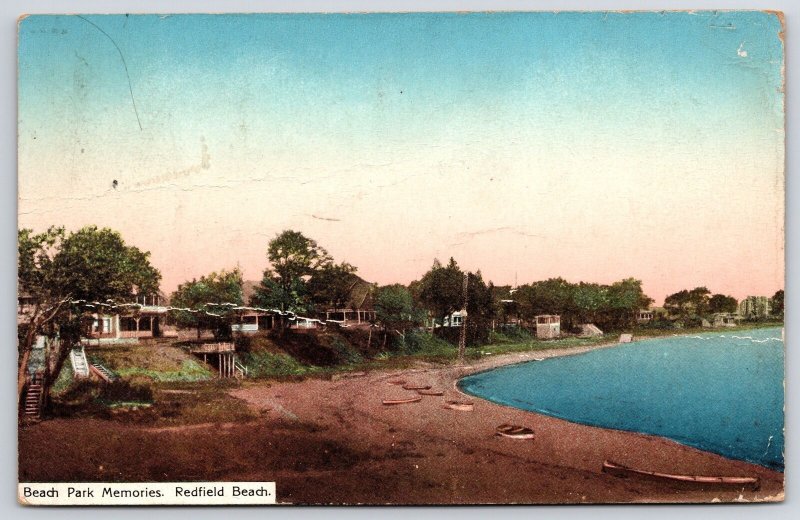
x=565 y=453
x=585 y=350
x=333 y=441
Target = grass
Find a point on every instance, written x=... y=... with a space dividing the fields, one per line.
x=155 y=362
x=64 y=380
x=189 y=370
x=270 y=364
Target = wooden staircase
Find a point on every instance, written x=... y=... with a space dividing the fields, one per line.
x=33 y=399
x=103 y=373
x=239 y=370
x=80 y=367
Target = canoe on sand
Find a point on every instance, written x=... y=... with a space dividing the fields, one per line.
x=426 y=391
x=619 y=470
x=514 y=432
x=416 y=387
x=402 y=401
x=461 y=406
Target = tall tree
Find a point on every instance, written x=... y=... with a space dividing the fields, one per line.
x=776 y=302
x=395 y=310
x=66 y=278
x=294 y=259
x=722 y=303
x=688 y=304
x=209 y=301
x=625 y=298
x=481 y=308
x=441 y=290
x=330 y=286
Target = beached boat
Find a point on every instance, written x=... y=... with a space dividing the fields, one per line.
x=402 y=401
x=426 y=391
x=416 y=387
x=619 y=470
x=461 y=406
x=514 y=432
x=397 y=382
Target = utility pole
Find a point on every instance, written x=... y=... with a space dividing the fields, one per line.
x=462 y=341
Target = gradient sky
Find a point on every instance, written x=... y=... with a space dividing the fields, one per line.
x=593 y=146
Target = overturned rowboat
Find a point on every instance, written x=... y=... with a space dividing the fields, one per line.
x=513 y=431
x=619 y=470
x=402 y=401
x=426 y=391
x=416 y=387
x=461 y=406
x=397 y=382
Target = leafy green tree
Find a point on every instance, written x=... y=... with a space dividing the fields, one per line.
x=552 y=296
x=625 y=298
x=481 y=309
x=64 y=277
x=203 y=297
x=330 y=286
x=395 y=310
x=689 y=304
x=699 y=297
x=777 y=303
x=441 y=290
x=294 y=259
x=678 y=304
x=722 y=303
x=591 y=302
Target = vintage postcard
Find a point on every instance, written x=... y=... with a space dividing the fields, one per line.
x=409 y=258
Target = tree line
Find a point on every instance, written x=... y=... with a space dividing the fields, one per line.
x=67 y=277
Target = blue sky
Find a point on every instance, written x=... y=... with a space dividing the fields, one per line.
x=642 y=124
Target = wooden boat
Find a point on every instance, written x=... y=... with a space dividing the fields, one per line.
x=426 y=391
x=416 y=387
x=514 y=432
x=461 y=406
x=619 y=470
x=397 y=382
x=402 y=401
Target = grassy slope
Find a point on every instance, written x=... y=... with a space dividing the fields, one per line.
x=159 y=362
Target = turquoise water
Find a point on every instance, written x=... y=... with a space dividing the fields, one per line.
x=720 y=392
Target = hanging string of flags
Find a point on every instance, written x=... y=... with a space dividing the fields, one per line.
x=290 y=315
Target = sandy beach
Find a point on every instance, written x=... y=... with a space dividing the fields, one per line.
x=333 y=441
x=439 y=455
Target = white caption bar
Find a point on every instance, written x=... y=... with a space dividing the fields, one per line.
x=149 y=493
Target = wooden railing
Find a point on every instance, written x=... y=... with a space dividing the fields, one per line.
x=211 y=348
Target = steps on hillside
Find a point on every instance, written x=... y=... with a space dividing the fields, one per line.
x=103 y=373
x=240 y=371
x=33 y=401
x=80 y=366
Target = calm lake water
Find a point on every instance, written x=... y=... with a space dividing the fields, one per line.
x=720 y=392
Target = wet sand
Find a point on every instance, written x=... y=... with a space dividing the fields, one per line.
x=422 y=452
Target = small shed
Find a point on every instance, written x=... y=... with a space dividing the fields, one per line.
x=725 y=319
x=548 y=326
x=455 y=319
x=645 y=316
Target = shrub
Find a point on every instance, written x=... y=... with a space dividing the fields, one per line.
x=419 y=342
x=268 y=364
x=345 y=352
